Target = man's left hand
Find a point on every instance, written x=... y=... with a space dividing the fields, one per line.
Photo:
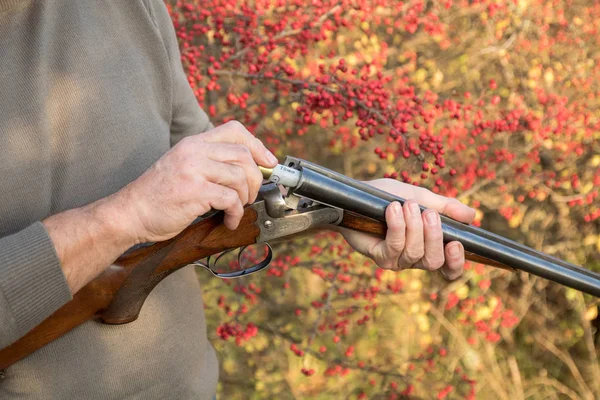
x=414 y=240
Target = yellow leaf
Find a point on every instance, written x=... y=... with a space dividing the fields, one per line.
x=549 y=77
x=414 y=308
x=438 y=77
x=423 y=323
x=493 y=302
x=415 y=284
x=590 y=240
x=462 y=292
x=425 y=340
x=591 y=313
x=420 y=75
x=515 y=220
x=483 y=313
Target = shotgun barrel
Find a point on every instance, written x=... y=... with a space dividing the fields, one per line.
x=329 y=187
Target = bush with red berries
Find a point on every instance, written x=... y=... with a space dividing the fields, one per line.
x=491 y=101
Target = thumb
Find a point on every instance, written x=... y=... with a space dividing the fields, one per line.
x=458 y=211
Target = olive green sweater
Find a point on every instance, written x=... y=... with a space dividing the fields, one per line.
x=91 y=94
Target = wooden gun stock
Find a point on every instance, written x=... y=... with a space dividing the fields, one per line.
x=117 y=295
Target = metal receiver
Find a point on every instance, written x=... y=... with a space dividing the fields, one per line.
x=278 y=218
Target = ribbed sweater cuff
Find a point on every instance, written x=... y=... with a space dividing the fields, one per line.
x=31 y=277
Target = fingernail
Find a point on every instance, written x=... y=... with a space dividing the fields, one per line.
x=271 y=158
x=414 y=208
x=454 y=250
x=396 y=208
x=431 y=217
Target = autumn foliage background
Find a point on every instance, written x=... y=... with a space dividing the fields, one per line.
x=495 y=102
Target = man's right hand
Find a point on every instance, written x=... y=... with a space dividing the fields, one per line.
x=216 y=169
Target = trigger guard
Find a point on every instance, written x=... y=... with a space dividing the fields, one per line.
x=210 y=264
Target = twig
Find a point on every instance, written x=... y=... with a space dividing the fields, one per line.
x=311 y=85
x=568 y=361
x=283 y=35
x=556 y=385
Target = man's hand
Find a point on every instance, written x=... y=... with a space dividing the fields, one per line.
x=414 y=240
x=216 y=169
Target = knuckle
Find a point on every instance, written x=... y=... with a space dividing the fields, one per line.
x=238 y=173
x=256 y=142
x=413 y=254
x=228 y=197
x=434 y=234
x=187 y=155
x=243 y=154
x=183 y=147
x=237 y=210
x=386 y=264
x=185 y=142
x=433 y=263
x=397 y=247
x=236 y=125
x=187 y=172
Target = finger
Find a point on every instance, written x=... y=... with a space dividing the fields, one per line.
x=364 y=243
x=414 y=248
x=229 y=175
x=235 y=133
x=445 y=205
x=434 y=240
x=455 y=260
x=223 y=198
x=386 y=252
x=239 y=155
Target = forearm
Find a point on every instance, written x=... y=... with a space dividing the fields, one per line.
x=88 y=239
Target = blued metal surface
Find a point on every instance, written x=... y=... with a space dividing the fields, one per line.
x=329 y=187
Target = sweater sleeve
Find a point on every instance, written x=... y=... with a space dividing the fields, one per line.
x=188 y=118
x=32 y=283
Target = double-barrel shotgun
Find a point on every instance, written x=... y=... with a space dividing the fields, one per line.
x=298 y=197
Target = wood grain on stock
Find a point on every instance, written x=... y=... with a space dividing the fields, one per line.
x=368 y=225
x=117 y=295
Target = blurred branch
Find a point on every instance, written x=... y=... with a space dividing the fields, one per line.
x=568 y=361
x=591 y=348
x=556 y=385
x=457 y=334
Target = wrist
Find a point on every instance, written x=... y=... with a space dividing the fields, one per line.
x=115 y=221
x=88 y=239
